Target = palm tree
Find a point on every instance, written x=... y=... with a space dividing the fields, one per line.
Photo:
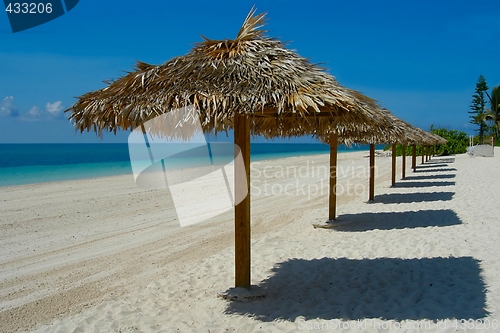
x=493 y=113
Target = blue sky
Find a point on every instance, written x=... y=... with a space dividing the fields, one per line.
x=419 y=59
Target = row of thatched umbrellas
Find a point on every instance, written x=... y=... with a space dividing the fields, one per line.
x=401 y=132
x=252 y=85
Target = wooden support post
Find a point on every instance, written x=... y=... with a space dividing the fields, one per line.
x=242 y=210
x=414 y=157
x=372 y=172
x=393 y=175
x=332 y=202
x=403 y=158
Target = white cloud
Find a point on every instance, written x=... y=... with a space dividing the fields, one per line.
x=54 y=109
x=34 y=111
x=7 y=107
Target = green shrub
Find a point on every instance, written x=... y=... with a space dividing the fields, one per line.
x=458 y=142
x=399 y=150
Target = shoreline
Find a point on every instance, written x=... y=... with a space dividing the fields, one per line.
x=131 y=174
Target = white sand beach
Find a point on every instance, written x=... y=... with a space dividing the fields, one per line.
x=103 y=255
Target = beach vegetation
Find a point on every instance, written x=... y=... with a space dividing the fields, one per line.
x=457 y=143
x=493 y=113
x=487 y=140
x=409 y=149
x=478 y=107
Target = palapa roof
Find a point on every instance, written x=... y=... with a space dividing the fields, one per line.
x=412 y=135
x=399 y=131
x=283 y=93
x=387 y=132
x=420 y=137
x=436 y=139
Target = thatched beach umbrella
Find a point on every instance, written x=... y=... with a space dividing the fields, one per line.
x=426 y=139
x=433 y=140
x=382 y=132
x=394 y=132
x=411 y=135
x=252 y=85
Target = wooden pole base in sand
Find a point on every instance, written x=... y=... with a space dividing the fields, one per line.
x=332 y=195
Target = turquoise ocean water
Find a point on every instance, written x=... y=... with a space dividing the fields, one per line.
x=36 y=163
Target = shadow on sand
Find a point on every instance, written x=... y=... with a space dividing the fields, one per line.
x=405 y=184
x=395 y=198
x=441 y=160
x=435 y=170
x=396 y=220
x=430 y=177
x=385 y=288
x=436 y=165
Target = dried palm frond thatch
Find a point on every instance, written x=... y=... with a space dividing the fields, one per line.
x=393 y=131
x=283 y=93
